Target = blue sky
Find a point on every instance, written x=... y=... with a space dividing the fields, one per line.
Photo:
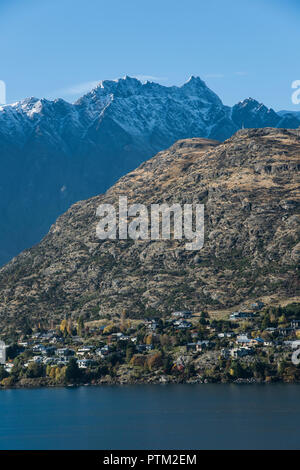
x=52 y=48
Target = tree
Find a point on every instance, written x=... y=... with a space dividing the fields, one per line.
x=266 y=322
x=73 y=372
x=282 y=319
x=113 y=359
x=165 y=340
x=281 y=367
x=17 y=370
x=167 y=364
x=148 y=339
x=8 y=381
x=202 y=332
x=63 y=327
x=70 y=327
x=60 y=374
x=154 y=361
x=259 y=369
x=52 y=372
x=236 y=369
x=26 y=329
x=80 y=326
x=129 y=352
x=123 y=320
x=3 y=373
x=111 y=328
x=203 y=319
x=190 y=370
x=138 y=360
x=35 y=370
x=13 y=351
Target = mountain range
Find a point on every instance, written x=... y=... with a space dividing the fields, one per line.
x=54 y=153
x=291 y=113
x=249 y=186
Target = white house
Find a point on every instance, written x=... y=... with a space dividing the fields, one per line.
x=84 y=363
x=8 y=367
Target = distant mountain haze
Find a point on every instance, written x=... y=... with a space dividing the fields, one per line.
x=54 y=153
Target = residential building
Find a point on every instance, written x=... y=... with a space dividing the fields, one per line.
x=241 y=352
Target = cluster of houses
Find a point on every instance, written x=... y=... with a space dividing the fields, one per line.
x=242 y=315
x=179 y=319
x=51 y=348
x=245 y=346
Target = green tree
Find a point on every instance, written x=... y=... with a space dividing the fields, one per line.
x=167 y=364
x=190 y=370
x=73 y=372
x=80 y=326
x=3 y=373
x=35 y=370
x=236 y=370
x=13 y=351
x=203 y=319
x=266 y=322
x=129 y=352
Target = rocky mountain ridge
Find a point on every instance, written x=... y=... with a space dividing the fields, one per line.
x=54 y=153
x=250 y=188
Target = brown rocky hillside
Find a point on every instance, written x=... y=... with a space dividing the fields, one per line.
x=250 y=187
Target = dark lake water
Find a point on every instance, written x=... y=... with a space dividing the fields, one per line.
x=152 y=417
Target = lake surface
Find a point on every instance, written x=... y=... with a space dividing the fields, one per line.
x=208 y=416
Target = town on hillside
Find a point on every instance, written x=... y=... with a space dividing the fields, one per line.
x=251 y=345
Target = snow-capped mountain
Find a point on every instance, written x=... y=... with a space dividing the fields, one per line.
x=251 y=114
x=54 y=153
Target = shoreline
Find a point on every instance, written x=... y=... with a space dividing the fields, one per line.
x=41 y=384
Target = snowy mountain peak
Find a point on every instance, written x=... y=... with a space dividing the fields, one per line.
x=128 y=86
x=248 y=102
x=86 y=146
x=251 y=103
x=251 y=113
x=195 y=81
x=120 y=87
